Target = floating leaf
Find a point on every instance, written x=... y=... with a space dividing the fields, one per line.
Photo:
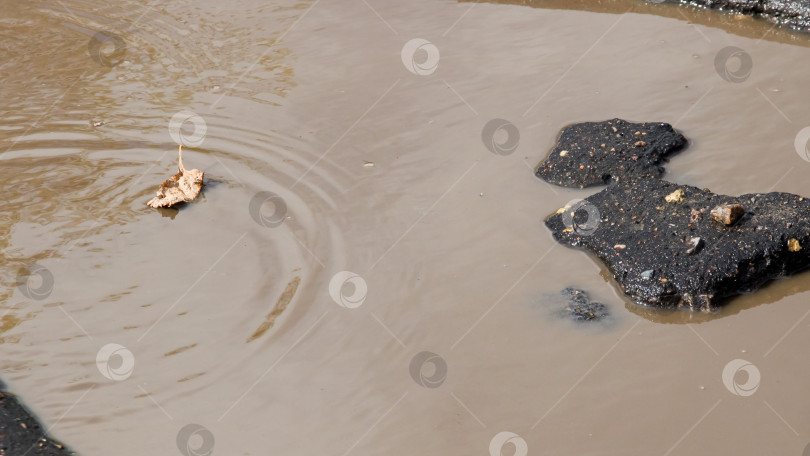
x=180 y=188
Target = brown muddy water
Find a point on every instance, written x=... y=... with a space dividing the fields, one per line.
x=371 y=146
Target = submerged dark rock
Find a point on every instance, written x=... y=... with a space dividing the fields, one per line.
x=21 y=434
x=668 y=252
x=594 y=153
x=579 y=306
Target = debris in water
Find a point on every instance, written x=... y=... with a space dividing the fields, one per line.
x=580 y=307
x=182 y=187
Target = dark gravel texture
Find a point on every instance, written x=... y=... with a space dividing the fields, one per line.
x=674 y=254
x=595 y=153
x=21 y=434
x=794 y=14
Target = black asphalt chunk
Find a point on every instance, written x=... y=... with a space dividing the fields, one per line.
x=789 y=13
x=665 y=249
x=21 y=434
x=596 y=153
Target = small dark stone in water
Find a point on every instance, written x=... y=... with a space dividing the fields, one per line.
x=581 y=308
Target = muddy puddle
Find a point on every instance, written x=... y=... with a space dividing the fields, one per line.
x=362 y=274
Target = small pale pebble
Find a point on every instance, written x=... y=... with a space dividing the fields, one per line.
x=563 y=153
x=368 y=164
x=640 y=143
x=674 y=197
x=793 y=245
x=620 y=246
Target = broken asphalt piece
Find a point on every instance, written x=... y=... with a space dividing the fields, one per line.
x=180 y=188
x=21 y=434
x=663 y=265
x=594 y=153
x=790 y=13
